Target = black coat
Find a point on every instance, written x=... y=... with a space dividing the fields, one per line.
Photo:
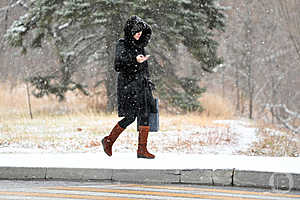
x=133 y=90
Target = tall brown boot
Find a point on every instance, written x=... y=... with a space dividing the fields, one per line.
x=142 y=151
x=108 y=141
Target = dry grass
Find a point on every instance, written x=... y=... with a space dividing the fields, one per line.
x=180 y=122
x=216 y=106
x=78 y=119
x=275 y=142
x=76 y=124
x=55 y=127
x=188 y=143
x=14 y=104
x=61 y=133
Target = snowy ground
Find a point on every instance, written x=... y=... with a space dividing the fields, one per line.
x=215 y=145
x=226 y=137
x=162 y=161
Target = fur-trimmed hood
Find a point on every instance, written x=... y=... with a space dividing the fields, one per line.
x=134 y=25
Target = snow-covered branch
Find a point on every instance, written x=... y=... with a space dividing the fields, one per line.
x=276 y=84
x=83 y=39
x=66 y=25
x=13 y=4
x=287 y=121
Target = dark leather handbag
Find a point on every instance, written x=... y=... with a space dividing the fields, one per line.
x=153 y=117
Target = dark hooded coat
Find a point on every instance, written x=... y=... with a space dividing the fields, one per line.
x=134 y=89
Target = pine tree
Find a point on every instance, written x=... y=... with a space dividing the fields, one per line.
x=84 y=31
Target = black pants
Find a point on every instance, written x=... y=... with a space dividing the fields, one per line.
x=127 y=120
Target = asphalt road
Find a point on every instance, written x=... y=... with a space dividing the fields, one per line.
x=59 y=190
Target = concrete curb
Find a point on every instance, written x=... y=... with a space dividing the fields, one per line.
x=219 y=177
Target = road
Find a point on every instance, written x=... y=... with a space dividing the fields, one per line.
x=59 y=190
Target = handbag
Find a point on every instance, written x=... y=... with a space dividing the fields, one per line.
x=153 y=117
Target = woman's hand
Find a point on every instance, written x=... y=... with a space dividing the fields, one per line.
x=151 y=85
x=141 y=58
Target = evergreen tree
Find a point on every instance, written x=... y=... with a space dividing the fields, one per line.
x=84 y=31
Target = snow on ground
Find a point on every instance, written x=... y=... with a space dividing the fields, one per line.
x=226 y=137
x=162 y=161
x=215 y=146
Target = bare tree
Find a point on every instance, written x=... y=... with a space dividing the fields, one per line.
x=260 y=56
x=284 y=97
x=289 y=10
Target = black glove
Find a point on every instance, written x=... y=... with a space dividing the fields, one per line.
x=151 y=85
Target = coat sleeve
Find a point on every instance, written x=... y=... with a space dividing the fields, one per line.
x=123 y=59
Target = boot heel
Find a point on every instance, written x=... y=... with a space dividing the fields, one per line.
x=143 y=156
x=139 y=156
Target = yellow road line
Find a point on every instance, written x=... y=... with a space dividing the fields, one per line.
x=100 y=186
x=218 y=190
x=72 y=196
x=136 y=192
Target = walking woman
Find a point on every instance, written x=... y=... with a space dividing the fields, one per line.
x=134 y=87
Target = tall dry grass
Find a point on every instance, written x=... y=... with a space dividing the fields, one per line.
x=82 y=114
x=80 y=122
x=274 y=141
x=215 y=106
x=14 y=103
x=82 y=119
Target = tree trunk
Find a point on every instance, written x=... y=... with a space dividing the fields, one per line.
x=113 y=35
x=250 y=90
x=111 y=81
x=110 y=84
x=273 y=99
x=29 y=101
x=249 y=53
x=237 y=85
x=223 y=84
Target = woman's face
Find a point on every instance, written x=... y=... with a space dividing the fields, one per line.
x=137 y=35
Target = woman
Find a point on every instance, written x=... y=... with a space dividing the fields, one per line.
x=134 y=88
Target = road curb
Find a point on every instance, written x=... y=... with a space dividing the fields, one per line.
x=217 y=177
x=146 y=175
x=252 y=179
x=22 y=173
x=197 y=176
x=78 y=174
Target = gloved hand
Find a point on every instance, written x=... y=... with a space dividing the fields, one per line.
x=151 y=85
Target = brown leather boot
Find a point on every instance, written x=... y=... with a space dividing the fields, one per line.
x=108 y=141
x=142 y=151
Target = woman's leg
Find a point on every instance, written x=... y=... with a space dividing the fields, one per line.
x=127 y=120
x=108 y=141
x=144 y=128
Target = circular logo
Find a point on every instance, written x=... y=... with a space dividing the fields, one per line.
x=281 y=182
